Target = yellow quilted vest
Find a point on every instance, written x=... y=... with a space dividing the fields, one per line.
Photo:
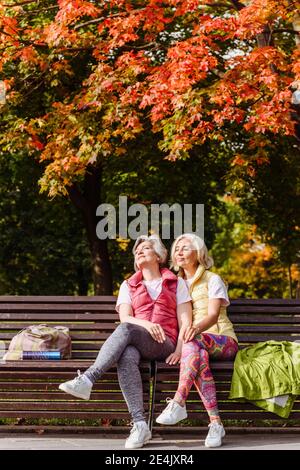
x=199 y=294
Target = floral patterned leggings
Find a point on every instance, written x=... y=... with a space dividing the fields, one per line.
x=194 y=367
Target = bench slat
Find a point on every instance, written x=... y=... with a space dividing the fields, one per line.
x=44 y=317
x=82 y=415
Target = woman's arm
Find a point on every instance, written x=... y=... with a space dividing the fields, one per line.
x=155 y=330
x=184 y=316
x=211 y=319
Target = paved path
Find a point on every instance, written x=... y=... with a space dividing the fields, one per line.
x=92 y=442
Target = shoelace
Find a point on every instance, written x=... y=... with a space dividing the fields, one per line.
x=79 y=380
x=213 y=429
x=171 y=404
x=135 y=427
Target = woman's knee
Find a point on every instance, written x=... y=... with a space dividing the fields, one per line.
x=204 y=356
x=190 y=348
x=124 y=329
x=130 y=356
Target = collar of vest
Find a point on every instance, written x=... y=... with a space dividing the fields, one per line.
x=137 y=278
x=197 y=276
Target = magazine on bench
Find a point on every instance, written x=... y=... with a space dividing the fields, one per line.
x=41 y=355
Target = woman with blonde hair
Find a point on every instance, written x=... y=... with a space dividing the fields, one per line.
x=154 y=307
x=211 y=334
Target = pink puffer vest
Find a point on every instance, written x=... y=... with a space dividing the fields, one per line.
x=163 y=310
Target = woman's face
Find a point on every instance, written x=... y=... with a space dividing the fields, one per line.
x=185 y=254
x=145 y=255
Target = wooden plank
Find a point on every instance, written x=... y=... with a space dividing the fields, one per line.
x=86 y=354
x=75 y=335
x=215 y=365
x=102 y=331
x=251 y=306
x=244 y=338
x=65 y=429
x=44 y=387
x=63 y=406
x=73 y=299
x=45 y=414
x=80 y=345
x=264 y=301
x=172 y=387
x=290 y=329
x=68 y=309
x=99 y=299
x=44 y=317
x=257 y=309
x=277 y=319
x=51 y=366
x=104 y=396
x=81 y=326
x=255 y=416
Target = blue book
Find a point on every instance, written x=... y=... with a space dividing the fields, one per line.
x=41 y=355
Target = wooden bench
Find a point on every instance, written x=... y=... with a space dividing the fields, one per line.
x=29 y=396
x=29 y=389
x=254 y=321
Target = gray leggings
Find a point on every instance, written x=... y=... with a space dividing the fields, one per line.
x=125 y=347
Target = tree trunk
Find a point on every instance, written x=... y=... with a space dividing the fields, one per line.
x=290 y=281
x=87 y=202
x=298 y=290
x=82 y=282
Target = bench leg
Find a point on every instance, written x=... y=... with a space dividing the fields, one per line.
x=153 y=368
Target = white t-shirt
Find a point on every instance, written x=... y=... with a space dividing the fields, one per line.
x=154 y=289
x=216 y=289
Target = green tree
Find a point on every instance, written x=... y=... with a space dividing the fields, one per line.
x=43 y=249
x=86 y=77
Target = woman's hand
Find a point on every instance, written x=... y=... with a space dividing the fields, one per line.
x=174 y=358
x=190 y=333
x=156 y=331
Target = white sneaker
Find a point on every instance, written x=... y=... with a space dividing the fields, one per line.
x=215 y=434
x=172 y=414
x=139 y=435
x=79 y=387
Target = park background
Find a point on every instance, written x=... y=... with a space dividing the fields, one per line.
x=187 y=102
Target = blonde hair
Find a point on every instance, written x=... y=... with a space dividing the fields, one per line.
x=203 y=257
x=157 y=246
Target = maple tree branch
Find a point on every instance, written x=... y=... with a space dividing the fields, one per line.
x=143 y=46
x=27 y=13
x=285 y=30
x=26 y=42
x=98 y=20
x=217 y=4
x=25 y=2
x=75 y=49
x=238 y=5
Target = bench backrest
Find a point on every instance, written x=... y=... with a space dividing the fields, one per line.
x=261 y=320
x=90 y=319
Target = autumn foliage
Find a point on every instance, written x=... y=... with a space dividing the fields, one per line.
x=189 y=70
